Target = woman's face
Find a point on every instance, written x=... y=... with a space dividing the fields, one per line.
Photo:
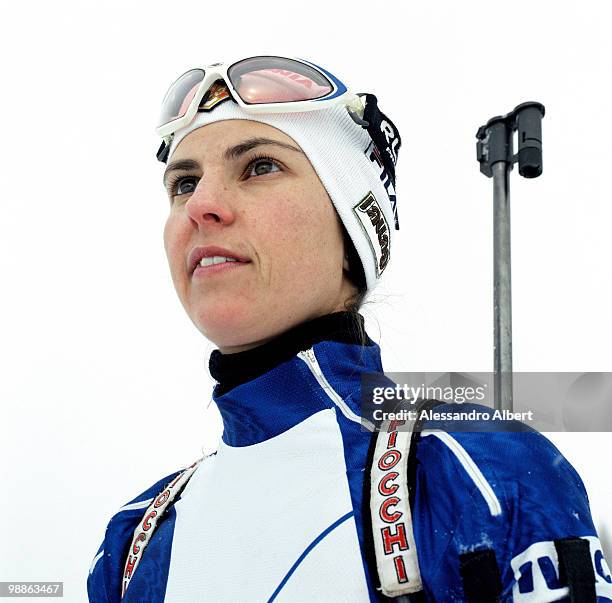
x=251 y=191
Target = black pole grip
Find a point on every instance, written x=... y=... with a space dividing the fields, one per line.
x=529 y=126
x=495 y=140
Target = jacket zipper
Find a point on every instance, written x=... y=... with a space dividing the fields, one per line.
x=309 y=357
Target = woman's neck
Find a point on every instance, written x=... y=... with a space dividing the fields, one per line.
x=234 y=369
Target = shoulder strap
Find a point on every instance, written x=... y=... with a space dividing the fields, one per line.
x=392 y=490
x=480 y=576
x=576 y=569
x=147 y=526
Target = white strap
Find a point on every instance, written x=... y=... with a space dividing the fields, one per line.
x=144 y=530
x=394 y=544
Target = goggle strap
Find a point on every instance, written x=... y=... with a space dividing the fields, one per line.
x=387 y=139
x=162 y=152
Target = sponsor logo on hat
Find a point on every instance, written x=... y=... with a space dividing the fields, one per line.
x=373 y=154
x=375 y=226
x=216 y=94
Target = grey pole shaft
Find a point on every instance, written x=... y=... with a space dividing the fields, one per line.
x=502 y=286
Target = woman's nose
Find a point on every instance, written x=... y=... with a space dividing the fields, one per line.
x=210 y=203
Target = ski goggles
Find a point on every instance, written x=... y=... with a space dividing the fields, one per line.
x=260 y=84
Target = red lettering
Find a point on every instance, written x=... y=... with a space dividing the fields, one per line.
x=393 y=425
x=140 y=538
x=400 y=569
x=391 y=440
x=385 y=490
x=162 y=498
x=390 y=540
x=146 y=525
x=176 y=479
x=129 y=567
x=384 y=513
x=389 y=460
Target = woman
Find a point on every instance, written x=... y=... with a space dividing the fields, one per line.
x=282 y=205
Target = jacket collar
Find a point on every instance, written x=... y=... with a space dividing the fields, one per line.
x=266 y=390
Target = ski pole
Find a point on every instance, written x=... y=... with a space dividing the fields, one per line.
x=494 y=152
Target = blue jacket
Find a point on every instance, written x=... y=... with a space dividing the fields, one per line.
x=279 y=512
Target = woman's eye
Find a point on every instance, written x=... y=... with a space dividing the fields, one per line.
x=260 y=167
x=183 y=186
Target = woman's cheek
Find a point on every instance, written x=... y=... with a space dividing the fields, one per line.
x=174 y=250
x=168 y=235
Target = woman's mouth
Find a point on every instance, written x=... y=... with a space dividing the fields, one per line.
x=210 y=266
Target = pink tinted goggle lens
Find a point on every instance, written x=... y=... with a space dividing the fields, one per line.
x=277 y=80
x=278 y=86
x=179 y=96
x=259 y=80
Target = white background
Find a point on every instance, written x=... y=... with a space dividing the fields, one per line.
x=104 y=380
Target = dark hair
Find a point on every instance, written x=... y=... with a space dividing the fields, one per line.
x=356 y=276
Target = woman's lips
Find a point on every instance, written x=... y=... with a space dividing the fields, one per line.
x=210 y=251
x=206 y=271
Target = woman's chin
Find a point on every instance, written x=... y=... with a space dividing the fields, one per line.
x=228 y=324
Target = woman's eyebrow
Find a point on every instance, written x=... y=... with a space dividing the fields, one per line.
x=231 y=153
